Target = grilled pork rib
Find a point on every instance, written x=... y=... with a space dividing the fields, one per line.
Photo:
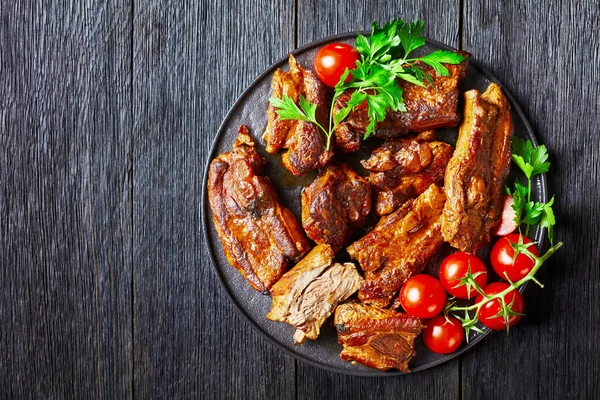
x=308 y=293
x=302 y=144
x=258 y=234
x=375 y=337
x=475 y=175
x=429 y=107
x=337 y=201
x=399 y=246
x=402 y=169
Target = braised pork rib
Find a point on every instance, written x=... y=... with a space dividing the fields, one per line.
x=475 y=175
x=430 y=107
x=377 y=338
x=258 y=234
x=302 y=144
x=402 y=169
x=400 y=245
x=335 y=203
x=307 y=294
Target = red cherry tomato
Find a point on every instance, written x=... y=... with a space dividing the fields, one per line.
x=489 y=312
x=332 y=60
x=455 y=267
x=443 y=336
x=502 y=258
x=423 y=296
x=507 y=223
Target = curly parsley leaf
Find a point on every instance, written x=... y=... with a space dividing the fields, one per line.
x=532 y=161
x=378 y=71
x=411 y=36
x=287 y=109
x=436 y=59
x=547 y=221
x=538 y=160
x=533 y=212
x=519 y=196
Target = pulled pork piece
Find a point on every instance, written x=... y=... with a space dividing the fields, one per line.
x=302 y=143
x=429 y=107
x=400 y=246
x=258 y=234
x=475 y=175
x=375 y=337
x=308 y=293
x=402 y=169
x=337 y=201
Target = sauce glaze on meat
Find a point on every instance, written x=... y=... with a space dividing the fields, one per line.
x=258 y=234
x=303 y=146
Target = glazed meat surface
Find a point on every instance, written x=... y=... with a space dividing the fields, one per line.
x=426 y=108
x=375 y=337
x=400 y=246
x=258 y=234
x=307 y=294
x=402 y=169
x=475 y=175
x=302 y=144
x=337 y=201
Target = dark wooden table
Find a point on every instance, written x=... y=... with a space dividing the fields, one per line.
x=107 y=114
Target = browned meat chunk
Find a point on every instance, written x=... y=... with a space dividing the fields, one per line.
x=303 y=144
x=375 y=337
x=258 y=234
x=402 y=169
x=475 y=175
x=426 y=108
x=399 y=246
x=308 y=293
x=337 y=201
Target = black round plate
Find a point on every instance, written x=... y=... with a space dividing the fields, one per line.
x=250 y=109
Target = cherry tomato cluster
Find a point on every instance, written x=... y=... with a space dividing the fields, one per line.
x=464 y=276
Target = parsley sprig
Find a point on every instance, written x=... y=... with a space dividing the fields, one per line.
x=384 y=60
x=471 y=312
x=532 y=161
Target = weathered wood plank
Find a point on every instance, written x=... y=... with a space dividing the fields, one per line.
x=191 y=61
x=317 y=19
x=547 y=56
x=320 y=19
x=66 y=198
x=65 y=216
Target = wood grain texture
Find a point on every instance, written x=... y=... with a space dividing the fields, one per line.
x=548 y=58
x=65 y=206
x=107 y=115
x=316 y=20
x=191 y=62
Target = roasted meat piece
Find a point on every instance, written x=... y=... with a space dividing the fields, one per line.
x=399 y=246
x=426 y=108
x=303 y=144
x=337 y=201
x=259 y=235
x=308 y=293
x=375 y=337
x=475 y=175
x=402 y=169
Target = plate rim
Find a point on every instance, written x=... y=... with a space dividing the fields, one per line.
x=204 y=204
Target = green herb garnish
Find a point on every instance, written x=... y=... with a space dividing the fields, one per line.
x=384 y=59
x=532 y=161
